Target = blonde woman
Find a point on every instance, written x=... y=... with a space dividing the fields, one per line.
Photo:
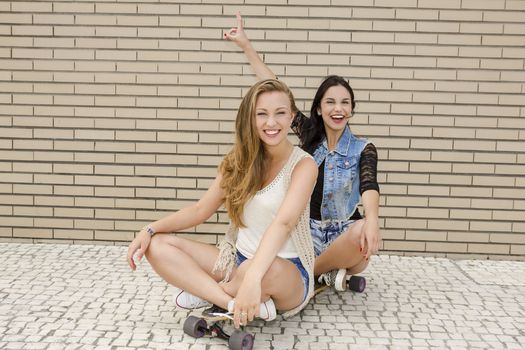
x=266 y=261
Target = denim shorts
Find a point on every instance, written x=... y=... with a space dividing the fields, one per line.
x=295 y=261
x=325 y=232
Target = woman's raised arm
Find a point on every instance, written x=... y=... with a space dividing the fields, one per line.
x=238 y=36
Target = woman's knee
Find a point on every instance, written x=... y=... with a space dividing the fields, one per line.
x=271 y=278
x=358 y=268
x=157 y=244
x=353 y=234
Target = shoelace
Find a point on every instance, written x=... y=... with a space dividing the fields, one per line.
x=327 y=278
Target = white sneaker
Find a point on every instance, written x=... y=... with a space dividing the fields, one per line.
x=267 y=310
x=187 y=301
x=334 y=278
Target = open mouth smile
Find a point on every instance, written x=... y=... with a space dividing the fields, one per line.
x=272 y=132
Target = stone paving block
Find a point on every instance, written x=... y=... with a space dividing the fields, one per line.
x=71 y=297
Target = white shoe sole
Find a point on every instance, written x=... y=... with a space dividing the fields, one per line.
x=267 y=305
x=340 y=280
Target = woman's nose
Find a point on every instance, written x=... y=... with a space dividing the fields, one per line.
x=271 y=120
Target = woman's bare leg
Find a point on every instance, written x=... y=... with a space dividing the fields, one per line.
x=187 y=264
x=344 y=252
x=282 y=282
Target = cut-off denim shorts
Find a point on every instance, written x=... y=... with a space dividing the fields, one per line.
x=295 y=261
x=325 y=232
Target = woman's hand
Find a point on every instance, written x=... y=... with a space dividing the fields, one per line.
x=237 y=34
x=370 y=238
x=247 y=301
x=139 y=245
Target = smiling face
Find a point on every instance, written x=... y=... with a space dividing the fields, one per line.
x=273 y=117
x=335 y=108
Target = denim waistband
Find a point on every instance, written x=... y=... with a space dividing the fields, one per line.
x=324 y=224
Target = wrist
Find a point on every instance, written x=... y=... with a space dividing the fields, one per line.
x=372 y=219
x=371 y=215
x=253 y=276
x=246 y=46
x=149 y=230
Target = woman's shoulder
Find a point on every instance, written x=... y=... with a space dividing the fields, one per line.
x=302 y=166
x=299 y=154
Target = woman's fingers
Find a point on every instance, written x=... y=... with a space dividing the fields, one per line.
x=239 y=20
x=136 y=250
x=243 y=315
x=230 y=35
x=252 y=312
x=364 y=252
x=240 y=318
x=144 y=244
x=370 y=252
x=362 y=242
x=131 y=251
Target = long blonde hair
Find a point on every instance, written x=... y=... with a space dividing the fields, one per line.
x=243 y=167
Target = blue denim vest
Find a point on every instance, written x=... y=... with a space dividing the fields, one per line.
x=341 y=176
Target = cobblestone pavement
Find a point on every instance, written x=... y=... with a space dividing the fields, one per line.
x=85 y=297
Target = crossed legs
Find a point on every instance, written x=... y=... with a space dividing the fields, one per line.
x=188 y=265
x=282 y=282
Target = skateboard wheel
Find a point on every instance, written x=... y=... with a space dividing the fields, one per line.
x=357 y=284
x=195 y=326
x=240 y=340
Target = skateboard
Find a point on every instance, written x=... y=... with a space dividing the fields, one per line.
x=354 y=283
x=212 y=320
x=211 y=323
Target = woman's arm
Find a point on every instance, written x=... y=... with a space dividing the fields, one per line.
x=238 y=36
x=194 y=214
x=187 y=217
x=370 y=232
x=296 y=199
x=369 y=188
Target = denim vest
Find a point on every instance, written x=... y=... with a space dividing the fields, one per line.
x=341 y=176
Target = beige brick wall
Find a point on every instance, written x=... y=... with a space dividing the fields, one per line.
x=113 y=113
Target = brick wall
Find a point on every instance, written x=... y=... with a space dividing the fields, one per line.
x=113 y=113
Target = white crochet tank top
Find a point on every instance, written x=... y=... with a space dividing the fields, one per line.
x=260 y=211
